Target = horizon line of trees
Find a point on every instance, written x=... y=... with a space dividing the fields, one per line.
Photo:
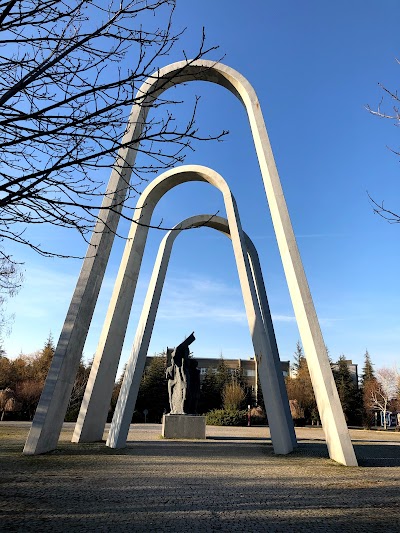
x=376 y=392
x=222 y=389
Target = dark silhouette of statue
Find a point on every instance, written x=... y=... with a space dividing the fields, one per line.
x=183 y=379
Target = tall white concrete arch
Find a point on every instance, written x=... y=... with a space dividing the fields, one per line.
x=96 y=401
x=53 y=403
x=269 y=368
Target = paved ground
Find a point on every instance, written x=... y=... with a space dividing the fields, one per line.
x=231 y=482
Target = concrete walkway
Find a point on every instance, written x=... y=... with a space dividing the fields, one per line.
x=230 y=482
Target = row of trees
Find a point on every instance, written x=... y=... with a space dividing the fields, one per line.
x=377 y=392
x=22 y=380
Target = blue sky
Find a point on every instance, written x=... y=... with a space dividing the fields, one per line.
x=315 y=66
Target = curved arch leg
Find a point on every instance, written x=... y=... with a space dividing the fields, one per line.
x=134 y=369
x=267 y=319
x=96 y=401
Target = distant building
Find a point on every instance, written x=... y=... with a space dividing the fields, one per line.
x=353 y=369
x=248 y=367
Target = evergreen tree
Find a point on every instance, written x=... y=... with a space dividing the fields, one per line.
x=42 y=362
x=115 y=394
x=78 y=391
x=260 y=396
x=5 y=373
x=328 y=353
x=347 y=390
x=223 y=376
x=300 y=387
x=344 y=383
x=153 y=390
x=368 y=370
x=298 y=357
x=368 y=386
x=210 y=397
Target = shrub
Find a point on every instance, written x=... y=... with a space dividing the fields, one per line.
x=233 y=396
x=72 y=414
x=258 y=417
x=225 y=417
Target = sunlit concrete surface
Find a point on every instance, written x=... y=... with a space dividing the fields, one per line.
x=230 y=482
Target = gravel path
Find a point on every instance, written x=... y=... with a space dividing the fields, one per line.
x=230 y=482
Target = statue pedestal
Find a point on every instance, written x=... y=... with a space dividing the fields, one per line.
x=184 y=427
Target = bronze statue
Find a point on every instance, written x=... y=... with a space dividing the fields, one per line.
x=183 y=379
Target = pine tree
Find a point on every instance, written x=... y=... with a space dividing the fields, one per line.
x=153 y=390
x=213 y=385
x=344 y=383
x=210 y=396
x=300 y=387
x=222 y=376
x=298 y=357
x=43 y=360
x=347 y=390
x=115 y=394
x=368 y=370
x=328 y=353
x=368 y=386
x=260 y=395
x=78 y=391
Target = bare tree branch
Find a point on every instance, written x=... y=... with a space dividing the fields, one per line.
x=382 y=211
x=385 y=389
x=394 y=115
x=66 y=89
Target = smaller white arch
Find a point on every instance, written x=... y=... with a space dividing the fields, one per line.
x=269 y=368
x=96 y=401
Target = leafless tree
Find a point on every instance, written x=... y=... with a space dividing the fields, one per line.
x=394 y=116
x=78 y=390
x=10 y=282
x=385 y=390
x=233 y=396
x=69 y=73
x=5 y=396
x=28 y=393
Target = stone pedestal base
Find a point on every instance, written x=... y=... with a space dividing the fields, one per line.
x=184 y=427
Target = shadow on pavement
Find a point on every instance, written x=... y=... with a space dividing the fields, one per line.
x=387 y=455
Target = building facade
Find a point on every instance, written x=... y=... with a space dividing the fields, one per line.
x=248 y=368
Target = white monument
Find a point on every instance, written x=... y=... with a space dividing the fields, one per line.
x=50 y=413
